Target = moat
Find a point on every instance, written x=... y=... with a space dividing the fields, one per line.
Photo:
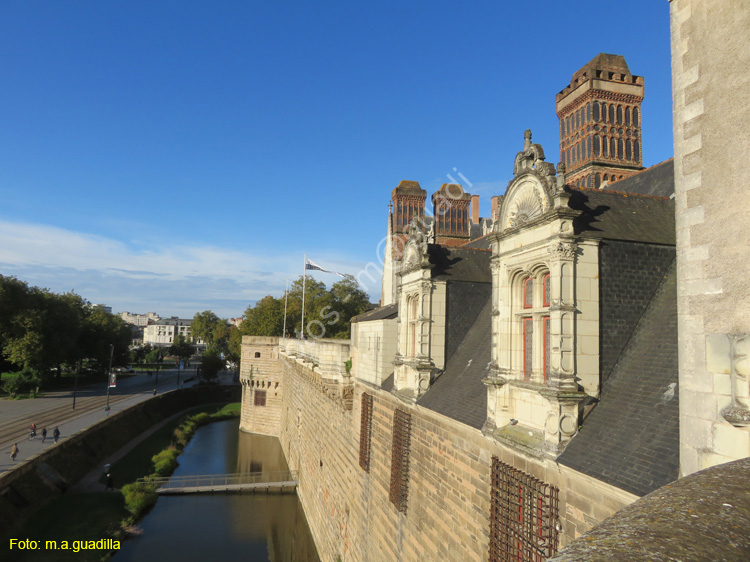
x=254 y=527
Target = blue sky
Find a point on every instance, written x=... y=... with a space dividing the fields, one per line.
x=177 y=156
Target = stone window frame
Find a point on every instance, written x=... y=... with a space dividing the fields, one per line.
x=259 y=398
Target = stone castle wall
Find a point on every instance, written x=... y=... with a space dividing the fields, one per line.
x=448 y=505
x=711 y=91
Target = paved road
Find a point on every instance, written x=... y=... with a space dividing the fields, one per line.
x=56 y=409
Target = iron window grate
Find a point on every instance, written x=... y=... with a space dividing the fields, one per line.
x=365 y=432
x=400 y=459
x=523 y=516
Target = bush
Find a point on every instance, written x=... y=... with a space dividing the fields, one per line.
x=139 y=498
x=165 y=462
x=21 y=382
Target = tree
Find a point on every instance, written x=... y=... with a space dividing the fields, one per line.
x=204 y=326
x=234 y=344
x=266 y=318
x=211 y=364
x=181 y=347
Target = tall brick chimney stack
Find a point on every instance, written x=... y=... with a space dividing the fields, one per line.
x=600 y=122
x=475 y=209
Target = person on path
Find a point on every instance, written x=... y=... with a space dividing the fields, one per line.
x=56 y=433
x=44 y=434
x=14 y=451
x=110 y=483
x=32 y=431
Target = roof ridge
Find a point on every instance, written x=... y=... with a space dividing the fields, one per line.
x=652 y=166
x=623 y=193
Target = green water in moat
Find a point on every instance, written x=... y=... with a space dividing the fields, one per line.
x=249 y=527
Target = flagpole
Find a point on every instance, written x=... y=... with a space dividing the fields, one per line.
x=286 y=299
x=304 y=281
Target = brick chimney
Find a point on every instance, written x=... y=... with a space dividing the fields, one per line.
x=475 y=209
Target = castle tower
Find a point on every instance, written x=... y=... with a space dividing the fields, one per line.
x=450 y=206
x=600 y=122
x=408 y=202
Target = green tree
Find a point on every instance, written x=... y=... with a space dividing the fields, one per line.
x=204 y=326
x=211 y=364
x=266 y=318
x=181 y=347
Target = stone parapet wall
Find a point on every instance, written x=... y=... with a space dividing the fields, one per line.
x=448 y=501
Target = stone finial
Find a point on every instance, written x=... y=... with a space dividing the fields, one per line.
x=527 y=139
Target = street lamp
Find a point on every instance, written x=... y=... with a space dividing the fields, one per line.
x=109 y=374
x=159 y=359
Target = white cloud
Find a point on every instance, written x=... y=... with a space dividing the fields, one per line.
x=168 y=279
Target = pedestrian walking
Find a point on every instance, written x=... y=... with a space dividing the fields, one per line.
x=110 y=483
x=56 y=433
x=44 y=434
x=14 y=451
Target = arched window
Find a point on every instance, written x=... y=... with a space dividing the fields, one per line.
x=605 y=146
x=627 y=116
x=619 y=115
x=628 y=150
x=635 y=116
x=598 y=181
x=619 y=149
x=604 y=112
x=636 y=151
x=257 y=354
x=613 y=149
x=597 y=146
x=597 y=115
x=611 y=113
x=588 y=112
x=588 y=147
x=534 y=340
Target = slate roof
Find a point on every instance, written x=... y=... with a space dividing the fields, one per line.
x=459 y=392
x=656 y=180
x=616 y=215
x=381 y=313
x=631 y=438
x=481 y=243
x=460 y=264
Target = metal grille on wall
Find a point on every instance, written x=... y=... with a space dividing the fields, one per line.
x=365 y=432
x=523 y=516
x=400 y=459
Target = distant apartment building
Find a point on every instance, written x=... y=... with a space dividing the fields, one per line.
x=163 y=332
x=140 y=319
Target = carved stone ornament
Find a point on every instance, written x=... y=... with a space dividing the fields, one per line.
x=526 y=204
x=415 y=252
x=531 y=159
x=562 y=250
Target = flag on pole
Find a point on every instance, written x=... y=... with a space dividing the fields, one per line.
x=309 y=264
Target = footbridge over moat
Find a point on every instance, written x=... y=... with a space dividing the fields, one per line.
x=253 y=482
